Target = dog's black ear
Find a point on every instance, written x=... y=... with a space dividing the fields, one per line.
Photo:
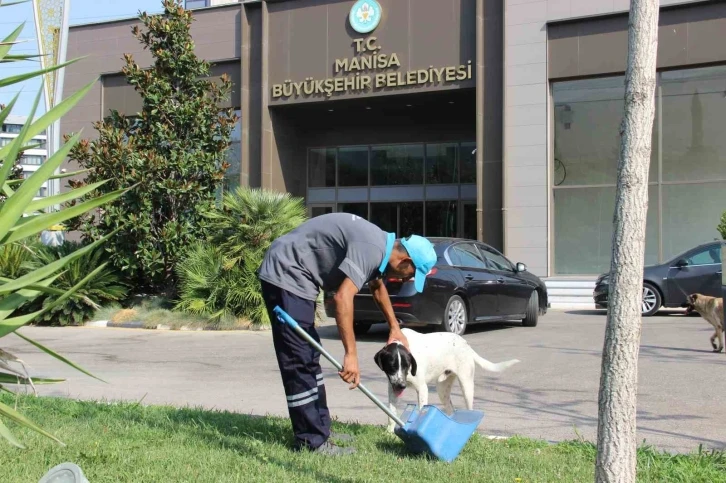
x=377 y=358
x=412 y=360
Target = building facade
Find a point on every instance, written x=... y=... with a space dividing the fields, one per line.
x=489 y=119
x=31 y=159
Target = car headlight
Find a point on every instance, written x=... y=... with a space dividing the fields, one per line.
x=603 y=280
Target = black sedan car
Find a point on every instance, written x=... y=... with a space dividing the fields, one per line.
x=697 y=270
x=470 y=283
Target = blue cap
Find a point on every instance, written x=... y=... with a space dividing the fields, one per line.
x=423 y=255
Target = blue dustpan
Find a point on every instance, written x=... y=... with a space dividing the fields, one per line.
x=428 y=430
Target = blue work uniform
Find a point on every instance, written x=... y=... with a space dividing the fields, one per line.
x=319 y=254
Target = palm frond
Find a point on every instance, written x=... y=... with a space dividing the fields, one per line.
x=21 y=221
x=251 y=219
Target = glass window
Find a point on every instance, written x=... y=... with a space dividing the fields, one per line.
x=583 y=229
x=690 y=215
x=31 y=160
x=190 y=4
x=467 y=255
x=441 y=218
x=6 y=141
x=232 y=175
x=468 y=163
x=353 y=166
x=392 y=217
x=693 y=119
x=412 y=216
x=397 y=165
x=454 y=258
x=394 y=165
x=709 y=256
x=12 y=128
x=587 y=117
x=234 y=157
x=497 y=260
x=320 y=210
x=587 y=120
x=469 y=219
x=235 y=135
x=360 y=209
x=321 y=168
x=587 y=113
x=385 y=215
x=441 y=163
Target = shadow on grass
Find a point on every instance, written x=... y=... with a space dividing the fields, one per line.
x=396 y=448
x=255 y=436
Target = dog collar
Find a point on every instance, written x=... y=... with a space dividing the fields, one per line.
x=390 y=240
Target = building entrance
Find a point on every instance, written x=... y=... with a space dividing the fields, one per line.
x=418 y=188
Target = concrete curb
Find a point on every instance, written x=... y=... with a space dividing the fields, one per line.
x=140 y=325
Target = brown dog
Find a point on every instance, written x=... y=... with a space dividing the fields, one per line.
x=711 y=309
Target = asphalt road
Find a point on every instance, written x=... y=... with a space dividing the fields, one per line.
x=551 y=394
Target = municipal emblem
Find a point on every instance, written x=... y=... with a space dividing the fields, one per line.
x=365 y=16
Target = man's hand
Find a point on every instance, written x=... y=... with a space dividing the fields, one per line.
x=397 y=335
x=350 y=372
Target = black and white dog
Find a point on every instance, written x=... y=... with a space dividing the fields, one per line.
x=437 y=358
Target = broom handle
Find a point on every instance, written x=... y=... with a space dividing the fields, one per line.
x=283 y=317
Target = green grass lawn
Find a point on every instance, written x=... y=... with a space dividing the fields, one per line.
x=133 y=443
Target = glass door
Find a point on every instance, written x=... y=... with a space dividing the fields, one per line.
x=317 y=210
x=358 y=209
x=403 y=218
x=468 y=219
x=442 y=218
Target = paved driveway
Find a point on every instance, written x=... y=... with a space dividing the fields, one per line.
x=551 y=394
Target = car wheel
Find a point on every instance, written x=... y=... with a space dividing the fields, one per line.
x=361 y=329
x=455 y=316
x=651 y=300
x=532 y=313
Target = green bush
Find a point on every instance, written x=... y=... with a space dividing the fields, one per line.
x=209 y=286
x=251 y=219
x=219 y=278
x=107 y=286
x=722 y=226
x=14 y=258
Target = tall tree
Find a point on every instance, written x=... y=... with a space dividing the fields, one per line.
x=616 y=432
x=174 y=150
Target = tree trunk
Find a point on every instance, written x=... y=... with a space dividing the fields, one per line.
x=616 y=432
